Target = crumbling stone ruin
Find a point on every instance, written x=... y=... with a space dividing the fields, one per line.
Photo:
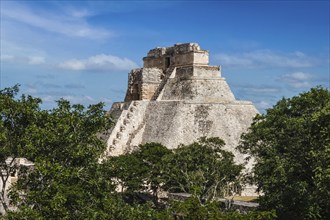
x=175 y=99
x=9 y=175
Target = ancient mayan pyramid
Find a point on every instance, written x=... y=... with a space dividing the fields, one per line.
x=176 y=98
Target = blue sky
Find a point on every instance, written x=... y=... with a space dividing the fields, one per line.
x=83 y=50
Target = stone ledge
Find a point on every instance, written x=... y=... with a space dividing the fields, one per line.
x=194 y=78
x=240 y=102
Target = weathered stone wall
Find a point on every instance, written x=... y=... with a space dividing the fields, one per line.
x=142 y=83
x=175 y=122
x=178 y=55
x=181 y=122
x=154 y=62
x=201 y=58
x=134 y=85
x=198 y=90
x=190 y=58
x=151 y=78
x=197 y=72
x=148 y=90
x=196 y=83
x=151 y=75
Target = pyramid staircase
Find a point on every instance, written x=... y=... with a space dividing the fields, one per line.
x=168 y=73
x=127 y=125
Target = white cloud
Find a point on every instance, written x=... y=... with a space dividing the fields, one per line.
x=297 y=79
x=266 y=58
x=75 y=99
x=15 y=53
x=6 y=57
x=80 y=13
x=106 y=100
x=79 y=99
x=298 y=76
x=31 y=91
x=49 y=101
x=262 y=90
x=262 y=105
x=73 y=65
x=99 y=62
x=74 y=86
x=36 y=60
x=72 y=24
x=33 y=60
x=48 y=98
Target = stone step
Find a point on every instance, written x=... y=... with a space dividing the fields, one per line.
x=132 y=109
x=115 y=141
x=111 y=147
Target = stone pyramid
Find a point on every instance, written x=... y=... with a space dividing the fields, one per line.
x=175 y=99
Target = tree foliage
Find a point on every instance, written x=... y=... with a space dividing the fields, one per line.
x=17 y=118
x=68 y=182
x=64 y=147
x=291 y=145
x=191 y=209
x=202 y=169
x=139 y=171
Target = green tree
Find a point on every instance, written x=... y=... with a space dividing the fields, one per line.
x=139 y=171
x=191 y=209
x=151 y=155
x=128 y=172
x=66 y=181
x=291 y=146
x=17 y=117
x=151 y=167
x=203 y=169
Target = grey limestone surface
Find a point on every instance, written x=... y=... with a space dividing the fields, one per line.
x=178 y=103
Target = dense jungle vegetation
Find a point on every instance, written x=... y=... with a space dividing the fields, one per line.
x=290 y=144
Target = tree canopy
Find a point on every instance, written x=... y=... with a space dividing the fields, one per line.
x=202 y=169
x=64 y=147
x=291 y=146
x=17 y=119
x=68 y=182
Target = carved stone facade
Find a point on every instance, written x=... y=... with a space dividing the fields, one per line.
x=179 y=55
x=143 y=83
x=175 y=99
